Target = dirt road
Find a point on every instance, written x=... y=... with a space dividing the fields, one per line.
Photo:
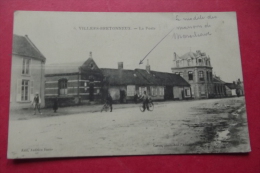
x=200 y=126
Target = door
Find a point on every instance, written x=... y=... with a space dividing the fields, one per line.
x=168 y=93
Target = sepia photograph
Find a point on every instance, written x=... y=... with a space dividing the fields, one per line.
x=115 y=84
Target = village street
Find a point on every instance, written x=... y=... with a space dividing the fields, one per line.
x=214 y=125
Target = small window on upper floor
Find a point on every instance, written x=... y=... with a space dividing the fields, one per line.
x=190 y=75
x=26 y=66
x=189 y=62
x=201 y=75
x=92 y=66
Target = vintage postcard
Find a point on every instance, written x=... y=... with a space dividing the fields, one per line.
x=106 y=84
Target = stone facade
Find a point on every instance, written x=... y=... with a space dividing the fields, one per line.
x=196 y=69
x=27 y=77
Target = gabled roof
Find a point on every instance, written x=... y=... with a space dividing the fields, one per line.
x=217 y=80
x=123 y=77
x=23 y=46
x=90 y=66
x=163 y=78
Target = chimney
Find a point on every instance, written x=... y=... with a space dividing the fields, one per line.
x=148 y=68
x=175 y=56
x=90 y=54
x=120 y=65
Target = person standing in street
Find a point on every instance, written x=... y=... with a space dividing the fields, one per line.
x=55 y=104
x=37 y=103
x=145 y=101
x=135 y=98
x=109 y=101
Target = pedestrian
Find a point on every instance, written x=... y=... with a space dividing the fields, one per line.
x=145 y=101
x=37 y=103
x=135 y=97
x=109 y=101
x=55 y=104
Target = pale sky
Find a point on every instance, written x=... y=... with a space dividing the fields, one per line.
x=58 y=36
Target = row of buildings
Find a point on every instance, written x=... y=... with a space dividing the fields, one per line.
x=191 y=77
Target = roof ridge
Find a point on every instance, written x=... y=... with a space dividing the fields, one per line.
x=33 y=45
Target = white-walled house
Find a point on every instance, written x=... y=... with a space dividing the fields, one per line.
x=27 y=75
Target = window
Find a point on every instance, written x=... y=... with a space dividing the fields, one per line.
x=92 y=66
x=187 y=92
x=26 y=66
x=200 y=61
x=190 y=74
x=154 y=91
x=207 y=76
x=25 y=90
x=201 y=75
x=63 y=88
x=202 y=89
x=161 y=91
x=210 y=76
x=189 y=62
x=141 y=90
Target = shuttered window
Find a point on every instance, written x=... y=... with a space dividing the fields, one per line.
x=190 y=74
x=201 y=75
x=26 y=66
x=25 y=90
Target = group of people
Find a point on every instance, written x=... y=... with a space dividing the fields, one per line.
x=37 y=102
x=145 y=99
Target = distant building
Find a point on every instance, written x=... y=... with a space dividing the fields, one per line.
x=231 y=89
x=73 y=82
x=196 y=69
x=240 y=88
x=27 y=76
x=235 y=89
x=124 y=84
x=219 y=87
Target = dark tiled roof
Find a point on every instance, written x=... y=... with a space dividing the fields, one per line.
x=163 y=78
x=231 y=85
x=192 y=55
x=123 y=77
x=23 y=46
x=189 y=55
